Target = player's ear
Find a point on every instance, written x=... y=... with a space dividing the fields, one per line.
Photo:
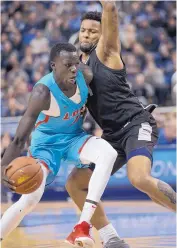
x=52 y=64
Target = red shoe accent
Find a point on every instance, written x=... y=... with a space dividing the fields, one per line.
x=81 y=235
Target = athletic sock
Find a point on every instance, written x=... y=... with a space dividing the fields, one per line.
x=108 y=232
x=87 y=212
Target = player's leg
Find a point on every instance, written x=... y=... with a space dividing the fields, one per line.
x=139 y=142
x=139 y=174
x=13 y=216
x=106 y=230
x=103 y=155
x=77 y=187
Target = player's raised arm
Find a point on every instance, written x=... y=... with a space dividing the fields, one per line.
x=109 y=43
x=39 y=100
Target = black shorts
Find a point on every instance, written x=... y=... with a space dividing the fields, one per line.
x=138 y=137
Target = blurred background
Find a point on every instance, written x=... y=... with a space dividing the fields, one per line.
x=148 y=37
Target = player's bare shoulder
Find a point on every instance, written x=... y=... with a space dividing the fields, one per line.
x=87 y=72
x=41 y=91
x=40 y=95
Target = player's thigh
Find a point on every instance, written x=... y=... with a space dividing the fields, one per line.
x=138 y=169
x=87 y=149
x=138 y=145
x=139 y=172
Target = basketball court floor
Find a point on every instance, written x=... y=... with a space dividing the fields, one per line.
x=143 y=224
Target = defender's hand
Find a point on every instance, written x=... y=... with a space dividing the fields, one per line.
x=102 y=2
x=6 y=181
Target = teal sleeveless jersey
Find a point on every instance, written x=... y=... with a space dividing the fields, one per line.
x=59 y=130
x=60 y=137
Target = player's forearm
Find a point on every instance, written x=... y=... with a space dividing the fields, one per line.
x=13 y=151
x=110 y=26
x=109 y=16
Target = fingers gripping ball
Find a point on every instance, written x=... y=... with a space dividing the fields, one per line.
x=27 y=174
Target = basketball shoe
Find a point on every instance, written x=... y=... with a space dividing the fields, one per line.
x=80 y=236
x=116 y=243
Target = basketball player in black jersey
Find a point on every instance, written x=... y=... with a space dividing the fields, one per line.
x=126 y=125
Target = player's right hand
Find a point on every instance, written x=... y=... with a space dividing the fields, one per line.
x=6 y=181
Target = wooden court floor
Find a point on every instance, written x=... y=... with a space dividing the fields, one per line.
x=141 y=224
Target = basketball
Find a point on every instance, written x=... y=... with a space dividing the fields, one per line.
x=27 y=174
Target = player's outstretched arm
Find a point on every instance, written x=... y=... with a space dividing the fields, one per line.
x=39 y=100
x=109 y=46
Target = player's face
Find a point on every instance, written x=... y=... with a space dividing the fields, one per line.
x=66 y=66
x=89 y=35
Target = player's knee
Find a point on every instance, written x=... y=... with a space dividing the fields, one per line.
x=112 y=153
x=108 y=151
x=140 y=182
x=27 y=204
x=33 y=201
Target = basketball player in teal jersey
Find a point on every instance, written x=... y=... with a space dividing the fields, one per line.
x=55 y=110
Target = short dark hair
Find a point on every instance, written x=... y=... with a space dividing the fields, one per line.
x=92 y=15
x=57 y=48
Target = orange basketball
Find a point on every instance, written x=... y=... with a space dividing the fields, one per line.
x=27 y=174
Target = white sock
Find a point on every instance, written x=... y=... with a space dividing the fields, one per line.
x=108 y=232
x=87 y=212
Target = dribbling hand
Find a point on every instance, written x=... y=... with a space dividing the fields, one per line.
x=6 y=181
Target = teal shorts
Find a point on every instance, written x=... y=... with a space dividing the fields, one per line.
x=51 y=156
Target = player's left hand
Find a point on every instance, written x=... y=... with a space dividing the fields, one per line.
x=6 y=181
